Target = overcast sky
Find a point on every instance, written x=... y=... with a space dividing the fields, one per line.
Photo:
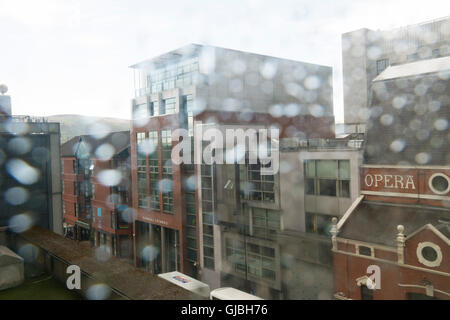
x=64 y=57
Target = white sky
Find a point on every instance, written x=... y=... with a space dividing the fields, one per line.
x=72 y=57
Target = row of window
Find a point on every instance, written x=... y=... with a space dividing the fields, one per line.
x=172 y=76
x=208 y=216
x=149 y=174
x=191 y=212
x=251 y=259
x=327 y=178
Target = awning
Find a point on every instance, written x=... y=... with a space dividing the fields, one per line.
x=83 y=224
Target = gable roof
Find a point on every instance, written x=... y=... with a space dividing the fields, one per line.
x=377 y=222
x=120 y=140
x=433 y=229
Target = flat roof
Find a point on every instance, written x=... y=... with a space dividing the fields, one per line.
x=134 y=283
x=415 y=68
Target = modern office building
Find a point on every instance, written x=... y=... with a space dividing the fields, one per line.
x=272 y=231
x=30 y=174
x=366 y=53
x=175 y=225
x=97 y=191
x=394 y=243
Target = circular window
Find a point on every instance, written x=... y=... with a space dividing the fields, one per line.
x=429 y=254
x=439 y=183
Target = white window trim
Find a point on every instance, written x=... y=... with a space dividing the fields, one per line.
x=422 y=260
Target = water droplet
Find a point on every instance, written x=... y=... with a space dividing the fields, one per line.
x=441 y=124
x=109 y=177
x=312 y=82
x=386 y=119
x=102 y=253
x=398 y=145
x=422 y=158
x=16 y=196
x=20 y=223
x=22 y=171
x=98 y=292
x=19 y=145
x=165 y=185
x=105 y=152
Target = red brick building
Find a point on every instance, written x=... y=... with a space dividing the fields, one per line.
x=394 y=241
x=96 y=191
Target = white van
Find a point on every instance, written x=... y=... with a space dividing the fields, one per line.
x=228 y=293
x=186 y=282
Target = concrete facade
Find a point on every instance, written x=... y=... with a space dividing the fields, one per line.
x=225 y=87
x=366 y=53
x=301 y=266
x=36 y=143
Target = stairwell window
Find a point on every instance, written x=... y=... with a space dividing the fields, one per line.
x=327 y=178
x=382 y=65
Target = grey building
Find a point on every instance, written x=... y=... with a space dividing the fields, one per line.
x=215 y=87
x=30 y=174
x=271 y=232
x=366 y=53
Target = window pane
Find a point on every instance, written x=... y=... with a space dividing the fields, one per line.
x=327 y=187
x=310 y=168
x=344 y=169
x=309 y=186
x=327 y=169
x=345 y=188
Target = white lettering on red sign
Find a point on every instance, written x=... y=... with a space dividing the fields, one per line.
x=390 y=181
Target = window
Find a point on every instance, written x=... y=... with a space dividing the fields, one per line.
x=179 y=74
x=318 y=223
x=266 y=223
x=153 y=168
x=188 y=105
x=235 y=254
x=327 y=178
x=191 y=208
x=208 y=216
x=151 y=108
x=365 y=251
x=261 y=187
x=64 y=207
x=168 y=106
x=382 y=65
x=166 y=146
x=413 y=57
x=253 y=260
x=141 y=171
x=172 y=249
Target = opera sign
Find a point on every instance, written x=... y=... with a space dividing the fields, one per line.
x=389 y=181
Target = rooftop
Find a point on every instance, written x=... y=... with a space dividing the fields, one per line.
x=120 y=140
x=122 y=277
x=415 y=68
x=376 y=222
